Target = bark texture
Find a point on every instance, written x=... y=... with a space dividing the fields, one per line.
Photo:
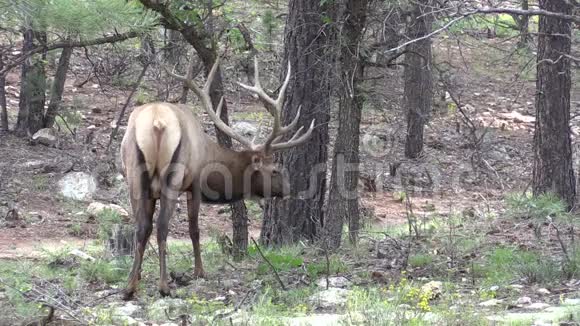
x=343 y=198
x=57 y=87
x=306 y=47
x=3 y=107
x=418 y=94
x=553 y=171
x=22 y=120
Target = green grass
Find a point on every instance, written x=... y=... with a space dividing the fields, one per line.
x=283 y=259
x=420 y=260
x=505 y=265
x=112 y=272
x=525 y=206
x=334 y=266
x=40 y=182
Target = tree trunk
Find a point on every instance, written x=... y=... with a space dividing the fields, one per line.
x=418 y=94
x=524 y=25
x=306 y=43
x=37 y=93
x=343 y=197
x=32 y=89
x=553 y=170
x=57 y=87
x=3 y=107
x=22 y=120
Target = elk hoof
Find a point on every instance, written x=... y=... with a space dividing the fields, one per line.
x=128 y=294
x=199 y=273
x=164 y=291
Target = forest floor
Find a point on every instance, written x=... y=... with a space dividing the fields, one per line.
x=450 y=238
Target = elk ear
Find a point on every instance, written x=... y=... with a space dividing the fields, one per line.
x=257 y=162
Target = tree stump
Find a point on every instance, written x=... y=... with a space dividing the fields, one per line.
x=121 y=240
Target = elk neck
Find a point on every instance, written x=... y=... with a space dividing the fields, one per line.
x=235 y=164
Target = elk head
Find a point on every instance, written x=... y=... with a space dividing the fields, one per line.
x=262 y=177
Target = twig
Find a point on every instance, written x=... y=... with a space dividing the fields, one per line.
x=327 y=265
x=269 y=264
x=122 y=114
x=562 y=244
x=236 y=308
x=45 y=296
x=73 y=133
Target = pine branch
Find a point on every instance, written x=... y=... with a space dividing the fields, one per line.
x=68 y=44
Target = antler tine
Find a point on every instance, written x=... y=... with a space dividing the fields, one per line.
x=295 y=140
x=205 y=98
x=258 y=90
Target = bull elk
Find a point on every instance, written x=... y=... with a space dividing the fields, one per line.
x=165 y=152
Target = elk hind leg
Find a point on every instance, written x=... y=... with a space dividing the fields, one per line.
x=170 y=194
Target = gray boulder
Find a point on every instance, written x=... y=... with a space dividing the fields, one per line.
x=77 y=186
x=45 y=136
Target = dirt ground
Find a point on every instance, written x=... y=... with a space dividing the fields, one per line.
x=495 y=89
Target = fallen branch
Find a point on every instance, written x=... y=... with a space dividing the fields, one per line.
x=270 y=264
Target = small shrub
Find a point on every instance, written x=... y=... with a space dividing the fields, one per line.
x=110 y=272
x=506 y=264
x=571 y=268
x=538 y=207
x=420 y=260
x=142 y=97
x=106 y=220
x=335 y=264
x=76 y=229
x=40 y=182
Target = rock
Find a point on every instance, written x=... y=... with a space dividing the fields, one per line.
x=334 y=282
x=331 y=298
x=543 y=291
x=516 y=286
x=490 y=303
x=33 y=165
x=317 y=320
x=571 y=302
x=494 y=288
x=96 y=208
x=81 y=254
x=245 y=128
x=45 y=136
x=78 y=185
x=538 y=306
x=373 y=145
x=174 y=307
x=523 y=301
x=128 y=310
x=518 y=117
x=124 y=320
x=433 y=287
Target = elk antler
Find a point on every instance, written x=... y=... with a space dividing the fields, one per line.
x=204 y=96
x=274 y=107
